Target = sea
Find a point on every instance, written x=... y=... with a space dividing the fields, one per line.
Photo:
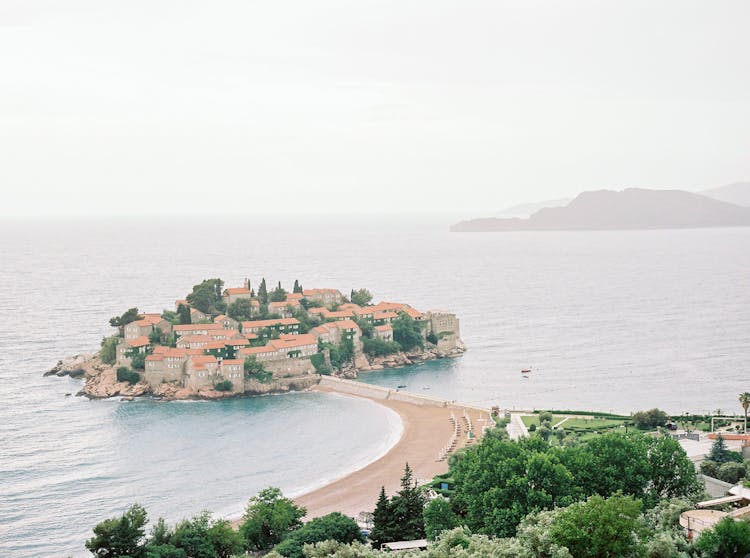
x=616 y=321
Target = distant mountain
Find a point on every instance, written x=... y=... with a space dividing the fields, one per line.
x=527 y=209
x=633 y=208
x=737 y=193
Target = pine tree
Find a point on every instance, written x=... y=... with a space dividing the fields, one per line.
x=407 y=509
x=263 y=292
x=381 y=522
x=719 y=452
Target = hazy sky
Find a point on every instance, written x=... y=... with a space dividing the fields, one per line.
x=318 y=106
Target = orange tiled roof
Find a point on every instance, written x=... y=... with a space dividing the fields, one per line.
x=200 y=361
x=340 y=314
x=214 y=345
x=291 y=341
x=320 y=291
x=236 y=291
x=141 y=341
x=167 y=352
x=384 y=315
x=195 y=339
x=237 y=342
x=294 y=296
x=344 y=324
x=197 y=327
x=385 y=327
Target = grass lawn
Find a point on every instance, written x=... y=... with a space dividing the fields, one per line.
x=582 y=426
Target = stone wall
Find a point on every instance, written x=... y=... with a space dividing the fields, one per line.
x=289 y=367
x=280 y=385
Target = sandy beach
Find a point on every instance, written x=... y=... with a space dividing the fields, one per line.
x=427 y=429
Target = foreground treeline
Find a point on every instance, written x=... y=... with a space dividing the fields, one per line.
x=617 y=495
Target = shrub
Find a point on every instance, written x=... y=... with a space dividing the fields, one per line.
x=224 y=385
x=432 y=338
x=331 y=527
x=731 y=472
x=546 y=416
x=319 y=362
x=108 y=352
x=379 y=347
x=650 y=419
x=125 y=374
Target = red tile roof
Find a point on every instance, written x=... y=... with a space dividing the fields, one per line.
x=141 y=341
x=236 y=291
x=197 y=327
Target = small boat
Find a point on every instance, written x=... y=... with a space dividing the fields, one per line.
x=525 y=370
x=402 y=386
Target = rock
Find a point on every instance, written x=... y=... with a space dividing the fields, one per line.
x=74 y=366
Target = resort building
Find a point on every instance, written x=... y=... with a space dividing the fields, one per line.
x=326 y=297
x=232 y=295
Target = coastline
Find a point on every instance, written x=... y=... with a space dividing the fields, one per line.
x=426 y=431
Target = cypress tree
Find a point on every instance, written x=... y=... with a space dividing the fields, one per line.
x=184 y=313
x=263 y=292
x=297 y=287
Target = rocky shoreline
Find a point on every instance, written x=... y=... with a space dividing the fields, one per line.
x=100 y=379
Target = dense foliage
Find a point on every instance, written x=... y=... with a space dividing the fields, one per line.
x=254 y=370
x=108 y=351
x=331 y=527
x=206 y=296
x=499 y=482
x=240 y=310
x=361 y=297
x=269 y=517
x=125 y=374
x=401 y=517
x=647 y=420
x=128 y=316
x=224 y=385
x=407 y=332
x=376 y=347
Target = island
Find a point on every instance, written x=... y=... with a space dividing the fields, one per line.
x=632 y=208
x=221 y=342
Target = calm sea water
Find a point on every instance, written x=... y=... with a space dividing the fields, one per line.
x=616 y=320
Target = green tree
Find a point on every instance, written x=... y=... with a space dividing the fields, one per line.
x=500 y=481
x=728 y=539
x=205 y=537
x=361 y=297
x=407 y=332
x=240 y=310
x=128 y=316
x=652 y=418
x=155 y=336
x=612 y=463
x=263 y=293
x=672 y=474
x=224 y=385
x=407 y=509
x=278 y=294
x=599 y=528
x=331 y=527
x=108 y=351
x=206 y=296
x=376 y=347
x=745 y=402
x=183 y=311
x=731 y=472
x=268 y=518
x=382 y=530
x=297 y=287
x=120 y=537
x=125 y=374
x=720 y=453
x=438 y=517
